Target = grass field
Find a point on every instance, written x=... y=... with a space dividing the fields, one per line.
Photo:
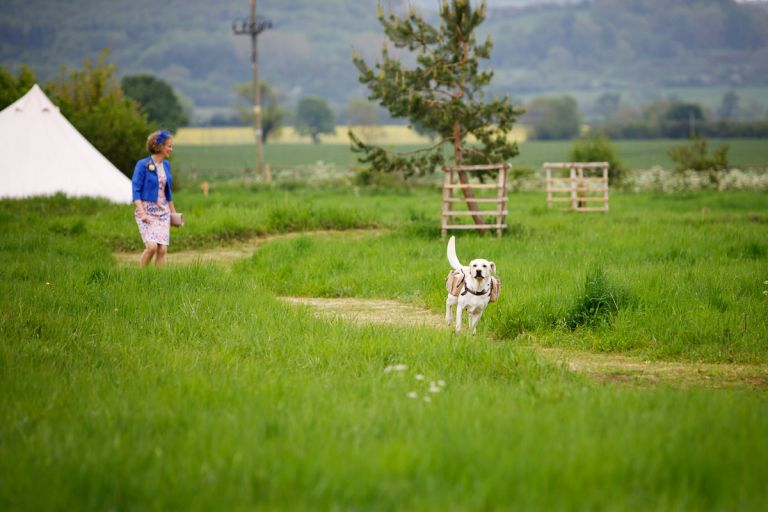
x=635 y=154
x=193 y=387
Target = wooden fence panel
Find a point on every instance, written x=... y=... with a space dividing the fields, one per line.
x=497 y=199
x=578 y=188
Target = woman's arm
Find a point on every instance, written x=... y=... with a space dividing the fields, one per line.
x=168 y=183
x=142 y=212
x=137 y=182
x=170 y=205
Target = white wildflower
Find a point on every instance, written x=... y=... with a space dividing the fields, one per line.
x=658 y=179
x=413 y=394
x=419 y=376
x=427 y=399
x=434 y=389
x=441 y=383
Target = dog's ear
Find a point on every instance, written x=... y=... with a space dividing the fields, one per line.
x=493 y=266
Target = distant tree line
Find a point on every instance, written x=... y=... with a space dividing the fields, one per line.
x=549 y=117
x=672 y=118
x=617 y=44
x=95 y=102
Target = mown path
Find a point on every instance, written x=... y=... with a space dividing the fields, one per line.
x=229 y=254
x=606 y=367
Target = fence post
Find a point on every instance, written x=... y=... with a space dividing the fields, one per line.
x=574 y=193
x=502 y=197
x=549 y=185
x=447 y=206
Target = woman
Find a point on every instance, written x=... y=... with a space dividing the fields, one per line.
x=153 y=199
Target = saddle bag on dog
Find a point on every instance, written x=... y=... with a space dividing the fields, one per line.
x=454 y=283
x=495 y=288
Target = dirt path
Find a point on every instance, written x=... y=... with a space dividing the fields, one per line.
x=607 y=367
x=228 y=254
x=366 y=311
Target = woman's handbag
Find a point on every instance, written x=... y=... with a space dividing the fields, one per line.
x=177 y=219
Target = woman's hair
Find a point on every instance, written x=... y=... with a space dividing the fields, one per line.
x=156 y=140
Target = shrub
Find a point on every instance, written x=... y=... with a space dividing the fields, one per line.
x=599 y=301
x=519 y=177
x=695 y=157
x=11 y=89
x=598 y=148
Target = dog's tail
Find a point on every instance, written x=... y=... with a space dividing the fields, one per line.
x=452 y=259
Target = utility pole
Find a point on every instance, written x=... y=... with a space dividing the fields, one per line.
x=254 y=26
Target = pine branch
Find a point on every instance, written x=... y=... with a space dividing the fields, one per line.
x=442 y=93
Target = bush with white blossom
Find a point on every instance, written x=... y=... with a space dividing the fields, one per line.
x=658 y=179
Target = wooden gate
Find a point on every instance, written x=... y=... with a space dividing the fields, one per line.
x=585 y=182
x=458 y=179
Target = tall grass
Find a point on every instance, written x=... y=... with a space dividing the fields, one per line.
x=689 y=285
x=598 y=304
x=231 y=213
x=192 y=387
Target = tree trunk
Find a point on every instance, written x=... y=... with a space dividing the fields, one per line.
x=463 y=179
x=458 y=150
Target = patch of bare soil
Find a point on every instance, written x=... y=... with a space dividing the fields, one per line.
x=229 y=253
x=370 y=311
x=620 y=368
x=605 y=367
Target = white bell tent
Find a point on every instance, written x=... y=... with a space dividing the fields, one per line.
x=43 y=154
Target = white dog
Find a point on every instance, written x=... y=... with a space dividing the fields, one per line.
x=471 y=288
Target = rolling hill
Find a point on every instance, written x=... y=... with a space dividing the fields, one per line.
x=638 y=47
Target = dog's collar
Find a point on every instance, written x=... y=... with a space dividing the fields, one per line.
x=479 y=294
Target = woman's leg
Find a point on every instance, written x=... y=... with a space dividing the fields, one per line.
x=162 y=250
x=149 y=251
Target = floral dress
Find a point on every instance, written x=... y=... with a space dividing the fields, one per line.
x=158 y=229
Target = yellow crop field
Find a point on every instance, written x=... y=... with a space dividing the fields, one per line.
x=379 y=134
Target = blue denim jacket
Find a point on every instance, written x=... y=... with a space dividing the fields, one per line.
x=145 y=182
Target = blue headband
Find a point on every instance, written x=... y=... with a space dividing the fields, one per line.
x=162 y=137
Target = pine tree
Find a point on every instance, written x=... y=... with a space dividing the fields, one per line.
x=442 y=94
